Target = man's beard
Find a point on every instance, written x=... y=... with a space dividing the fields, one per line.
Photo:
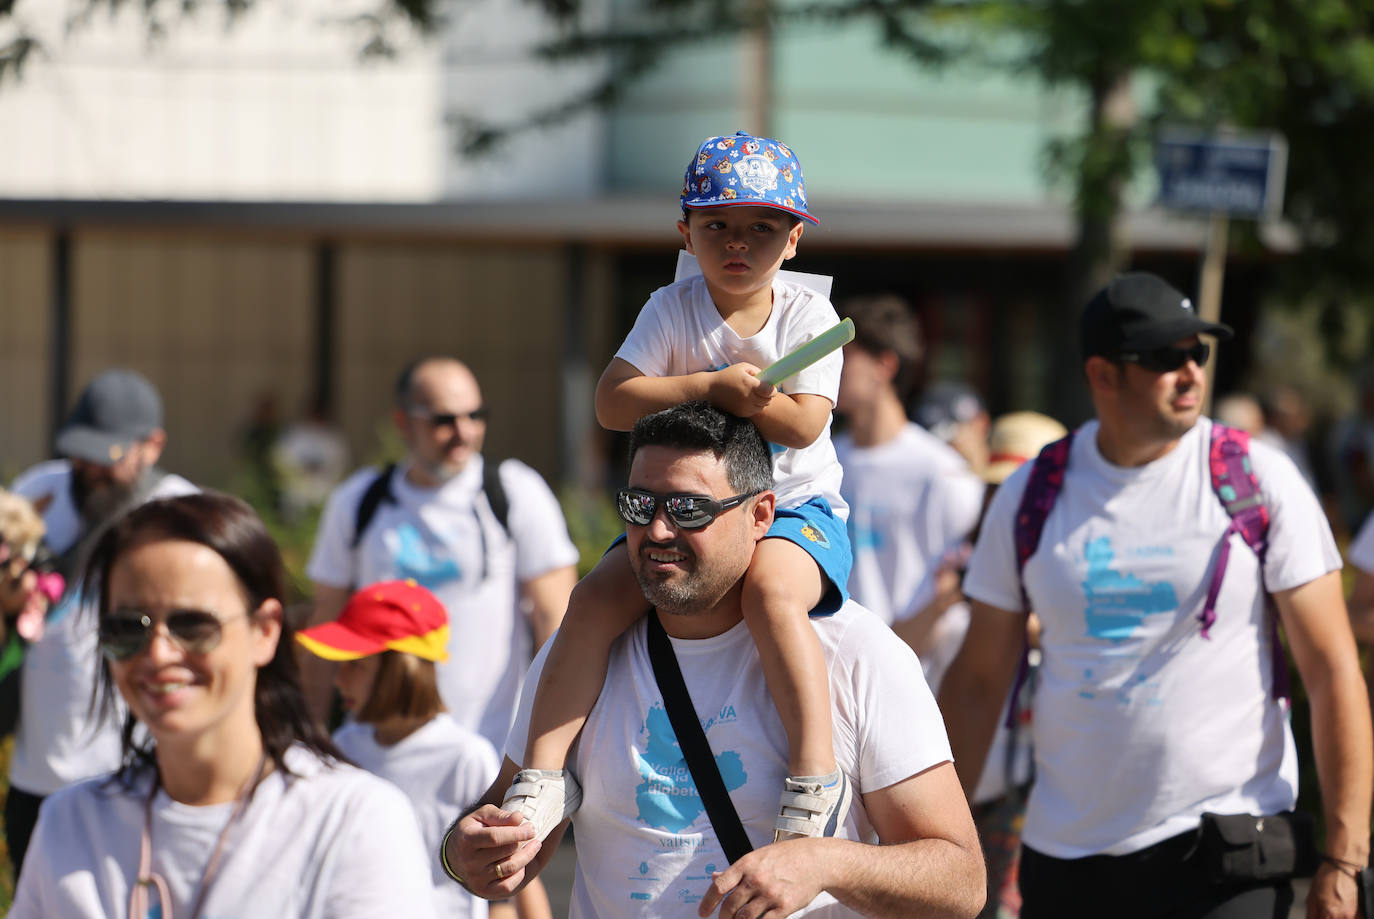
x=691 y=591
x=99 y=502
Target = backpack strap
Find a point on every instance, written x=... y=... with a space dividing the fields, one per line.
x=1042 y=489
x=495 y=491
x=1238 y=490
x=378 y=492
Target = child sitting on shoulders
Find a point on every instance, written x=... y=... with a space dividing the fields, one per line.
x=706 y=337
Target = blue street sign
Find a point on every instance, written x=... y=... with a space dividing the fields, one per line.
x=1240 y=176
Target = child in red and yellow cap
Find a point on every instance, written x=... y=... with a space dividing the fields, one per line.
x=387 y=640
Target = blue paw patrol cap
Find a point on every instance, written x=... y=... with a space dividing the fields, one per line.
x=743 y=169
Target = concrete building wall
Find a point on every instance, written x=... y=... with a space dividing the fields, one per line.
x=278 y=104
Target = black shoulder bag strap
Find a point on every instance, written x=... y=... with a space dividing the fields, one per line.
x=377 y=493
x=695 y=748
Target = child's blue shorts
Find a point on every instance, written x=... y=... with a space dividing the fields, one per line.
x=815 y=528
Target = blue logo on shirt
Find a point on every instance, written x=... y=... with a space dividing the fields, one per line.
x=667 y=798
x=417 y=561
x=1118 y=602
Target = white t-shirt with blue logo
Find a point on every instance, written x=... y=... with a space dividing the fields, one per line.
x=329 y=842
x=645 y=846
x=1140 y=723
x=680 y=331
x=448 y=540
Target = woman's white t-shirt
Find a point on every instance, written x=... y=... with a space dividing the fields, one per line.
x=680 y=331
x=329 y=841
x=443 y=768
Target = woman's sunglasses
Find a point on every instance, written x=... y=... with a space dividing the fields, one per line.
x=1168 y=358
x=122 y=635
x=689 y=512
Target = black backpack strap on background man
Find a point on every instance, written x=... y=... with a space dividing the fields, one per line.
x=695 y=748
x=378 y=492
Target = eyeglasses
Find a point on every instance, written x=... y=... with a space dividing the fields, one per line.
x=450 y=419
x=123 y=635
x=690 y=512
x=1168 y=358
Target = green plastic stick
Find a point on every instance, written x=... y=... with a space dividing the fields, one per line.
x=837 y=336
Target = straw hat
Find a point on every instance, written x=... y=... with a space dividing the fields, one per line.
x=1016 y=438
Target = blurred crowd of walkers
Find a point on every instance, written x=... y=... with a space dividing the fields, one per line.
x=1104 y=615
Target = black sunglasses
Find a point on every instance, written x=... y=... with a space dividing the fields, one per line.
x=450 y=419
x=690 y=512
x=1168 y=358
x=122 y=635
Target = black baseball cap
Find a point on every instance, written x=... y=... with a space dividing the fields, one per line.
x=1139 y=312
x=116 y=409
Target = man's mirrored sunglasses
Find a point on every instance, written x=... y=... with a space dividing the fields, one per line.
x=1168 y=358
x=124 y=634
x=690 y=512
x=450 y=419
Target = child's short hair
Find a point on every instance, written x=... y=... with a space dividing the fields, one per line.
x=745 y=170
x=406 y=686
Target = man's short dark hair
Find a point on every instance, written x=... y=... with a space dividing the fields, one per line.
x=886 y=322
x=700 y=426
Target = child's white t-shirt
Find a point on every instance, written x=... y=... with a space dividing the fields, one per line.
x=443 y=768
x=329 y=842
x=680 y=331
x=1140 y=723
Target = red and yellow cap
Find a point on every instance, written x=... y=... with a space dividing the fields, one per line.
x=389 y=615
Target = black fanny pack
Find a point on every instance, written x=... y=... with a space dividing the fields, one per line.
x=1236 y=847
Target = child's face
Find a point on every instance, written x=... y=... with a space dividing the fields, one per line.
x=740 y=248
x=354 y=680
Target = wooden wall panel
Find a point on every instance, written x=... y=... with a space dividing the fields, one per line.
x=25 y=349
x=498 y=309
x=217 y=323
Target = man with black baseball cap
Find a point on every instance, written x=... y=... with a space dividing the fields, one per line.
x=111 y=442
x=1156 y=707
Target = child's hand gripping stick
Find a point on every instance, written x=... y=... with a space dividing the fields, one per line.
x=837 y=336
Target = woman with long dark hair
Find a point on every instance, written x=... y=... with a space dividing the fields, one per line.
x=230 y=801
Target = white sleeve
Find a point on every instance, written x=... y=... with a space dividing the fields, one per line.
x=992 y=576
x=1361 y=550
x=520 y=725
x=649 y=346
x=535 y=522
x=959 y=502
x=899 y=729
x=475 y=768
x=331 y=558
x=1300 y=545
x=383 y=865
x=813 y=315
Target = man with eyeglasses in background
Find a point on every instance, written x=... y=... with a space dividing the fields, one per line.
x=1156 y=704
x=110 y=444
x=436 y=518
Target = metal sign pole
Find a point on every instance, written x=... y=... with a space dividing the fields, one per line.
x=1210 y=281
